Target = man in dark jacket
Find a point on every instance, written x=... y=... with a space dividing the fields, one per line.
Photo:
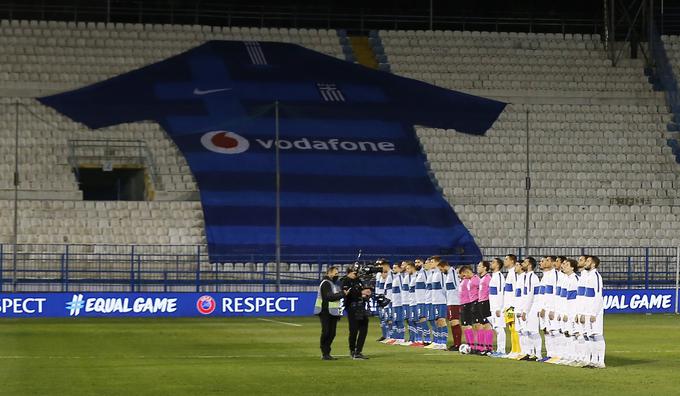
x=328 y=308
x=356 y=302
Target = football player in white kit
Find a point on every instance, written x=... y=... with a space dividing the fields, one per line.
x=594 y=316
x=496 y=288
x=509 y=263
x=397 y=302
x=439 y=328
x=388 y=309
x=580 y=346
x=546 y=313
x=530 y=338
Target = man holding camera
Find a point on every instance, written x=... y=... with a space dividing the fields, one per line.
x=357 y=296
x=328 y=308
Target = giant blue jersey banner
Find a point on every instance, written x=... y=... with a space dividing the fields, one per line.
x=352 y=172
x=76 y=305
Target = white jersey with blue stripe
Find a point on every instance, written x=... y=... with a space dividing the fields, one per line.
x=530 y=291
x=396 y=290
x=388 y=285
x=412 y=289
x=496 y=291
x=438 y=287
x=405 y=282
x=379 y=284
x=421 y=287
x=509 y=289
x=581 y=299
x=593 y=295
x=428 y=286
x=519 y=289
x=548 y=290
x=452 y=284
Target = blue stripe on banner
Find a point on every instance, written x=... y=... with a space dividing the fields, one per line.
x=590 y=292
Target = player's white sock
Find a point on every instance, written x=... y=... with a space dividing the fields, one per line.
x=601 y=349
x=582 y=348
x=548 y=343
x=500 y=339
x=537 y=346
x=523 y=344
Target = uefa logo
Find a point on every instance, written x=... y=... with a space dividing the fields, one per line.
x=224 y=142
x=205 y=305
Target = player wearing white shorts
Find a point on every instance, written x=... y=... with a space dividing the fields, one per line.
x=547 y=312
x=509 y=264
x=580 y=338
x=496 y=288
x=530 y=305
x=518 y=301
x=569 y=291
x=594 y=318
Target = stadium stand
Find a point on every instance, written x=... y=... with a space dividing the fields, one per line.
x=42 y=57
x=601 y=171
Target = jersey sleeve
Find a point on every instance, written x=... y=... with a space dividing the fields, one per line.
x=425 y=104
x=128 y=97
x=596 y=304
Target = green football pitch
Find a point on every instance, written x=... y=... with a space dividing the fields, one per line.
x=250 y=356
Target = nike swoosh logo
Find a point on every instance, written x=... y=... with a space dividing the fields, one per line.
x=209 y=91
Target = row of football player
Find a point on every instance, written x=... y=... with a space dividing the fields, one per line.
x=565 y=304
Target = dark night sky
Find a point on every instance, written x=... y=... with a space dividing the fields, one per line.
x=537 y=8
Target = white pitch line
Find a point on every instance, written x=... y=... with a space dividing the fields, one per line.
x=279 y=322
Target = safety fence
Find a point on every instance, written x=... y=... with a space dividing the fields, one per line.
x=187 y=268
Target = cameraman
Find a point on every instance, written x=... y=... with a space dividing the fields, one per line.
x=328 y=308
x=356 y=300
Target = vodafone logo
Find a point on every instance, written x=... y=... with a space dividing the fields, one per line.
x=224 y=142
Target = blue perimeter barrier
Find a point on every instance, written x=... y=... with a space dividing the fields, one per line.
x=82 y=305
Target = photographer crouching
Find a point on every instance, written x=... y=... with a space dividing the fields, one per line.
x=358 y=294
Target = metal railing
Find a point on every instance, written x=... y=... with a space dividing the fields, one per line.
x=225 y=14
x=188 y=268
x=114 y=152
